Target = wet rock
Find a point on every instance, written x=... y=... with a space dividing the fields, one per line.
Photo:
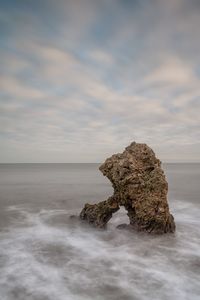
x=140 y=186
x=99 y=214
x=73 y=217
x=124 y=226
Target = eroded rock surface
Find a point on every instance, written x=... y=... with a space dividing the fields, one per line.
x=140 y=186
x=99 y=214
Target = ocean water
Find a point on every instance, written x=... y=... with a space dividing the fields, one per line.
x=45 y=255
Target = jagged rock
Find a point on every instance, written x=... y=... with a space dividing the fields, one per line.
x=140 y=186
x=99 y=214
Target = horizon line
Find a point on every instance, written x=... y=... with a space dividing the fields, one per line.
x=165 y=162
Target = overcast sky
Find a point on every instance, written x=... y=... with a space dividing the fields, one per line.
x=80 y=80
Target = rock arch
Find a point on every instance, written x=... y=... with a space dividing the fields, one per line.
x=140 y=186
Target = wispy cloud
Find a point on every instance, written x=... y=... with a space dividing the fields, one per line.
x=81 y=79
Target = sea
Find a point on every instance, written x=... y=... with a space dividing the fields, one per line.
x=46 y=255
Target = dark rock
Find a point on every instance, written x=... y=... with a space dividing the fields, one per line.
x=123 y=226
x=73 y=217
x=140 y=186
x=99 y=214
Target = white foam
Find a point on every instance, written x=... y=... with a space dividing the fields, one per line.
x=41 y=261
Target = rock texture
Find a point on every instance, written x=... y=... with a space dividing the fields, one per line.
x=99 y=214
x=140 y=186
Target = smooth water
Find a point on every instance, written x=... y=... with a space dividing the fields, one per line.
x=45 y=255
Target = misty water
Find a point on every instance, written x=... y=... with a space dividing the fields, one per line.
x=45 y=255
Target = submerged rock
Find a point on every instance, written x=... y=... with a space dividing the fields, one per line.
x=140 y=186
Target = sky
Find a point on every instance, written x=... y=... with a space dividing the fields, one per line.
x=81 y=79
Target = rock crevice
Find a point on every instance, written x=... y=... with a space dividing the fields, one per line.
x=140 y=186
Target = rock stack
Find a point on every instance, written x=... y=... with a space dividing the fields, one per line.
x=140 y=186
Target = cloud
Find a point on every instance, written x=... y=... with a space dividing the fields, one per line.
x=84 y=79
x=172 y=71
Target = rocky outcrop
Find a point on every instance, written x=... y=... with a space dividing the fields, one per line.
x=99 y=214
x=140 y=186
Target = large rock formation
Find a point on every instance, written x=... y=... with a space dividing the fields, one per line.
x=140 y=186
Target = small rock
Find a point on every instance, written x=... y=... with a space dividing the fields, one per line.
x=123 y=226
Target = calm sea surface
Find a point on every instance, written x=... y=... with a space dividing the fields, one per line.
x=44 y=255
